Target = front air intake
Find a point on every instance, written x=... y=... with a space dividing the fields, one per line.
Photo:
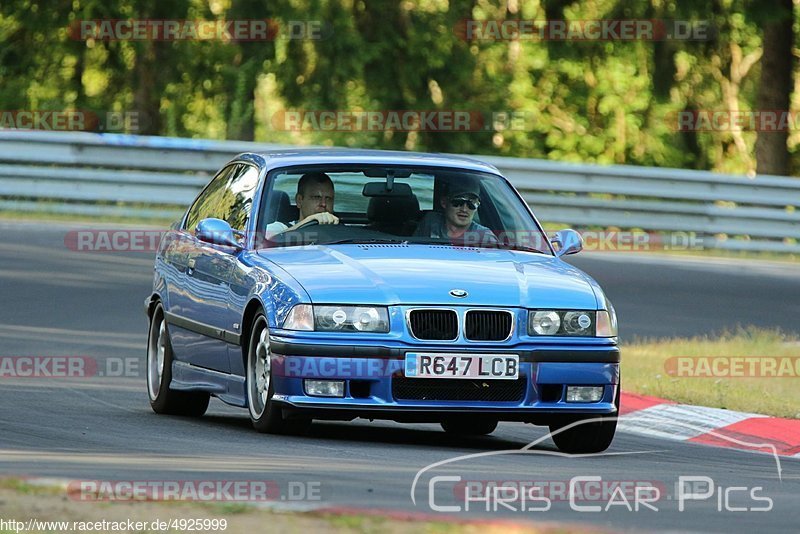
x=435 y=325
x=488 y=325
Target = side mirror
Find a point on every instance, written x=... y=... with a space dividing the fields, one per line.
x=567 y=242
x=217 y=232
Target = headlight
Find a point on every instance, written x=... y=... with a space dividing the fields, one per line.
x=338 y=318
x=578 y=323
x=544 y=323
x=561 y=323
x=351 y=318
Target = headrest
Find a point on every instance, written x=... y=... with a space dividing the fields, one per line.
x=392 y=209
x=277 y=201
x=280 y=208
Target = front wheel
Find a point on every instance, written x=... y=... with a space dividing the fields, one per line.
x=586 y=438
x=265 y=414
x=159 y=374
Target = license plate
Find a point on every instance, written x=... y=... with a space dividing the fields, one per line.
x=442 y=365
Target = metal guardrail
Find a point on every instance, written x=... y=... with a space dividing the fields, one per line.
x=156 y=177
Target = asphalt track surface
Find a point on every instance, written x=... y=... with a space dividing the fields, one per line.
x=58 y=302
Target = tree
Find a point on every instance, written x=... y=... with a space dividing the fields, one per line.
x=774 y=91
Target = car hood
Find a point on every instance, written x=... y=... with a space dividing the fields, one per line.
x=387 y=274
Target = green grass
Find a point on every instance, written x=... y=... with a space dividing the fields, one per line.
x=357 y=523
x=644 y=371
x=22 y=487
x=230 y=508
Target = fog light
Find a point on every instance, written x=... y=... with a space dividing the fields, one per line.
x=584 y=393
x=324 y=388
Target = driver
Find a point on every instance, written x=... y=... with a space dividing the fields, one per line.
x=314 y=201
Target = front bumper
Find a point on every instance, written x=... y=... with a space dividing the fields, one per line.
x=375 y=386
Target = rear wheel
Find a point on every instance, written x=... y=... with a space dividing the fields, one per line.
x=159 y=374
x=586 y=438
x=265 y=414
x=469 y=427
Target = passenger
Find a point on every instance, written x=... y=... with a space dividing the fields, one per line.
x=314 y=201
x=456 y=223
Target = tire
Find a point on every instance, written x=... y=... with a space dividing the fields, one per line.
x=469 y=427
x=266 y=415
x=586 y=438
x=164 y=400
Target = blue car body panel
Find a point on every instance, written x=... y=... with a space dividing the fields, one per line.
x=207 y=289
x=377 y=274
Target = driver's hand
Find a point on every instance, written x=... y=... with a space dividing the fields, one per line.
x=323 y=218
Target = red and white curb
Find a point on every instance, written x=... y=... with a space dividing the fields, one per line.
x=661 y=418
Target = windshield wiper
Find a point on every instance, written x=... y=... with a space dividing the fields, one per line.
x=365 y=241
x=354 y=241
x=489 y=244
x=519 y=248
x=445 y=242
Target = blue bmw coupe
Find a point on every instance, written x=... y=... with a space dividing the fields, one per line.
x=336 y=284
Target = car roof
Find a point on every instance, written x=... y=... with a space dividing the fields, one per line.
x=312 y=156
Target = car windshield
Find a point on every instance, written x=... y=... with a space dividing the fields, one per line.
x=407 y=205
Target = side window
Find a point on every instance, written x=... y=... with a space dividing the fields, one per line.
x=210 y=203
x=240 y=190
x=498 y=196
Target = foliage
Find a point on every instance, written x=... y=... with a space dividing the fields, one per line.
x=612 y=102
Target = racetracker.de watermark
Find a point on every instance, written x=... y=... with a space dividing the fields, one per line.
x=114 y=240
x=70 y=120
x=313 y=367
x=49 y=367
x=584 y=30
x=769 y=120
x=148 y=240
x=197 y=30
x=733 y=367
x=344 y=120
x=194 y=490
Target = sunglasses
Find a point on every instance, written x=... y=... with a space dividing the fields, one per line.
x=471 y=204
